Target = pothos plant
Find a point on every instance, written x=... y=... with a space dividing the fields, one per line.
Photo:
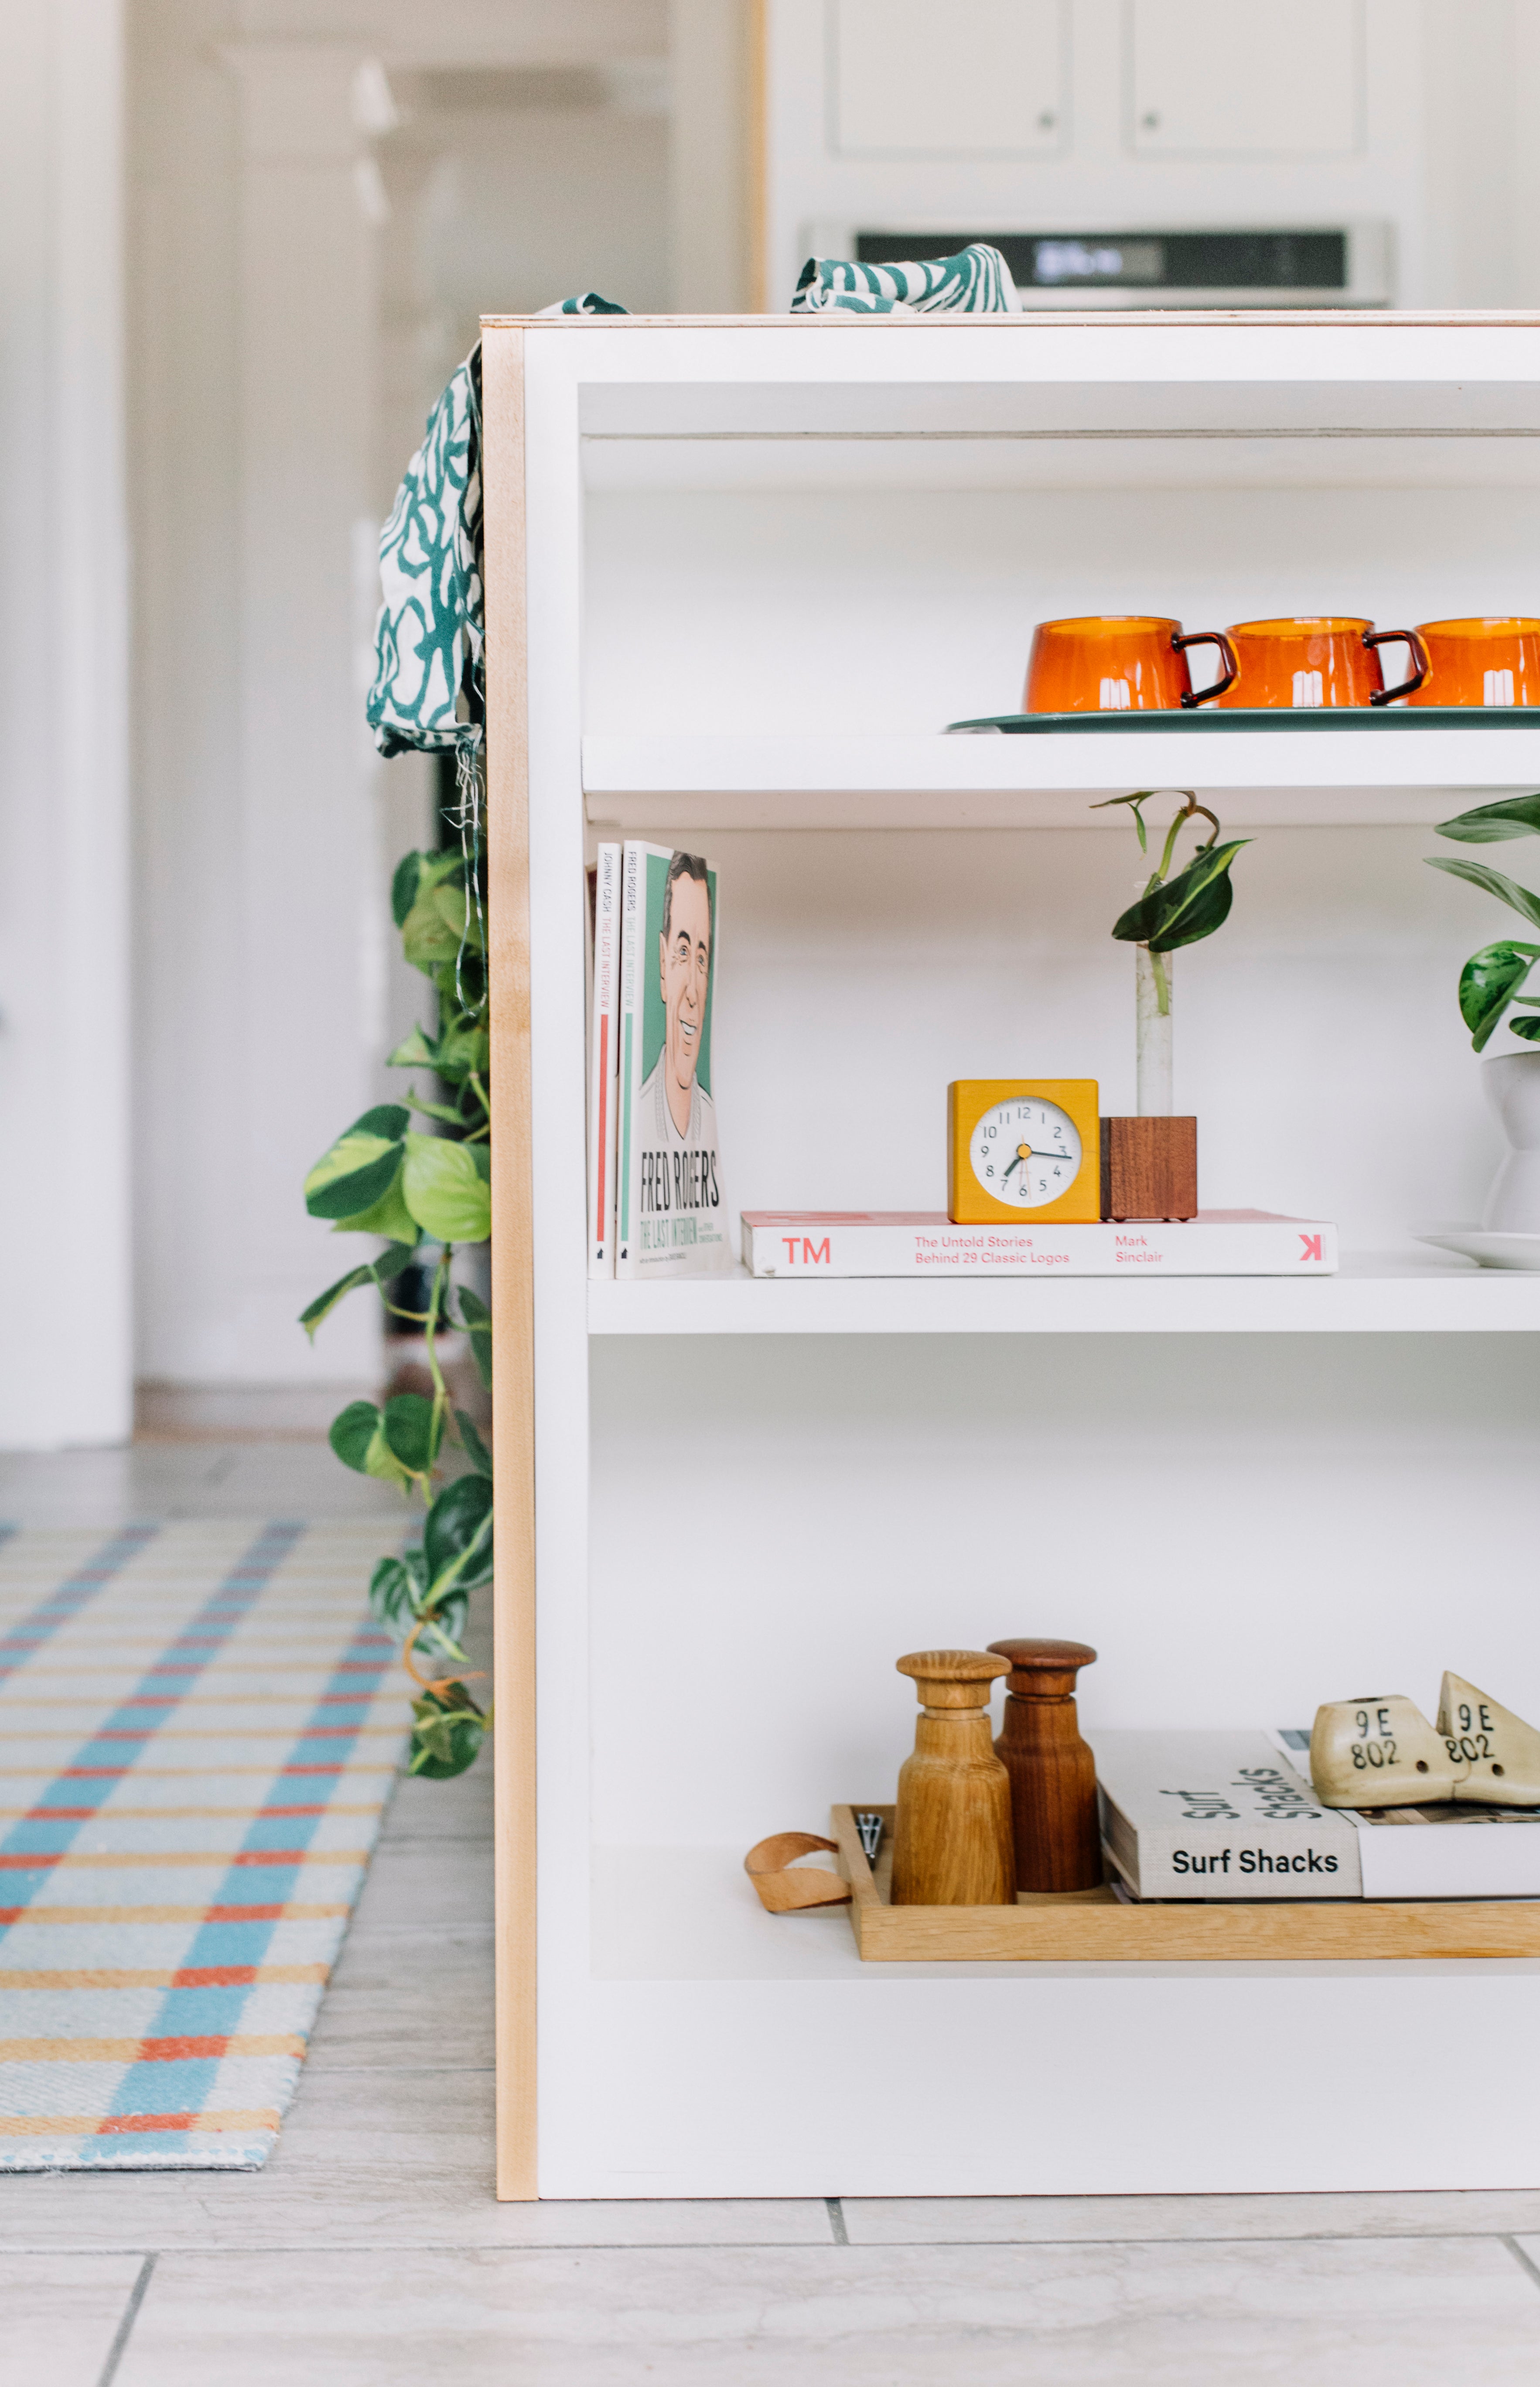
x=1174 y=909
x=426 y=1191
x=1492 y=980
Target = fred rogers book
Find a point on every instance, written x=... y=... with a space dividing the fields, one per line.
x=673 y=1218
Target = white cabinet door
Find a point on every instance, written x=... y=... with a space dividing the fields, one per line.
x=976 y=78
x=1246 y=78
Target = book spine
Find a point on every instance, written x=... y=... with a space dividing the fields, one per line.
x=814 y=1246
x=632 y=867
x=1246 y=1859
x=602 y=1070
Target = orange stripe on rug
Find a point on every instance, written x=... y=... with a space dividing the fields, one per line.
x=50 y=1859
x=150 y=2050
x=285 y=1914
x=44 y=2126
x=164 y=1977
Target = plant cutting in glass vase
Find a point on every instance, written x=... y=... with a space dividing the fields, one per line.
x=426 y=1192
x=1172 y=910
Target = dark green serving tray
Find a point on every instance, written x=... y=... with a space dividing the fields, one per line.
x=1232 y=721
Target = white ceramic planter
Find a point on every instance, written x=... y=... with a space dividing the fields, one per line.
x=1512 y=1083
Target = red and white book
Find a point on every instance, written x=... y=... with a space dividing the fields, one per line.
x=925 y=1243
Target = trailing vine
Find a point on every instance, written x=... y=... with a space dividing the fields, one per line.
x=426 y=1192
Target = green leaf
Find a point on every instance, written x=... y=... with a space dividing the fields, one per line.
x=414 y=1052
x=396 y=1588
x=1481 y=874
x=444 y=1111
x=1489 y=982
x=474 y=1448
x=387 y=1216
x=358 y=1437
x=1515 y=816
x=360 y=1167
x=456 y=1535
x=413 y=1426
x=447 y=1734
x=403 y=886
x=460 y=915
x=389 y=1264
x=1528 y=1028
x=446 y=1190
x=1187 y=907
x=427 y=937
x=477 y=1320
x=461 y=1050
x=1142 y=796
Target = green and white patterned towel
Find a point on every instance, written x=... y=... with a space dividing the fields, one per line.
x=429 y=690
x=975 y=282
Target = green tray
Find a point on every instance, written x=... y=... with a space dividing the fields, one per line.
x=1231 y=722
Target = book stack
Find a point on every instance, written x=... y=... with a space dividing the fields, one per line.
x=1232 y=1815
x=656 y=1205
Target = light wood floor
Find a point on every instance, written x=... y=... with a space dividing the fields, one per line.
x=370 y=2251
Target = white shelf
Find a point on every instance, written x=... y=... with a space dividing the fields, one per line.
x=1375 y=1293
x=1263 y=778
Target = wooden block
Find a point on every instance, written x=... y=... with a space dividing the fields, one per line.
x=1149 y=1169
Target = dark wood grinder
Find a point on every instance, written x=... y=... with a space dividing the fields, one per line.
x=1058 y=1841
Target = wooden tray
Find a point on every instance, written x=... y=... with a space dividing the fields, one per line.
x=1095 y=1926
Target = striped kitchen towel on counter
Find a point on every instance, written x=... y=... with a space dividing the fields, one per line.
x=199 y=1728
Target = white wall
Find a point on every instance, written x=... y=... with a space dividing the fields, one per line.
x=64 y=1187
x=305 y=277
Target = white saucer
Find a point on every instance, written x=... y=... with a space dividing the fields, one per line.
x=1488 y=1246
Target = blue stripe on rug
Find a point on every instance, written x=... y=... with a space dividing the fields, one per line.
x=162 y=1961
x=67 y=1599
x=186 y=2084
x=94 y=1774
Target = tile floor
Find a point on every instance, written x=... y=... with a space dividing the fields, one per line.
x=371 y=2250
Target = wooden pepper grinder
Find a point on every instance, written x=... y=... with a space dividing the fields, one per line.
x=952 y=1835
x=1058 y=1839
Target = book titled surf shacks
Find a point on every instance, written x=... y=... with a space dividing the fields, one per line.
x=672 y=1215
x=1233 y=1815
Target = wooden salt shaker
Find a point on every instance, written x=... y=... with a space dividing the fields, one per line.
x=952 y=1835
x=1058 y=1839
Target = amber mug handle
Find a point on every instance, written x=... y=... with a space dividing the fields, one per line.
x=1181 y=640
x=1419 y=652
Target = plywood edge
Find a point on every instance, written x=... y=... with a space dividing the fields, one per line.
x=513 y=1268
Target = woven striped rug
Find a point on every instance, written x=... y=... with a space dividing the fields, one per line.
x=199 y=1724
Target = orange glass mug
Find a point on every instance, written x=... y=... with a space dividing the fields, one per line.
x=1117 y=663
x=1492 y=660
x=1310 y=659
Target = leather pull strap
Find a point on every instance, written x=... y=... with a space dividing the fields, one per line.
x=780 y=1891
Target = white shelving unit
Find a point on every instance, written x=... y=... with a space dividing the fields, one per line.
x=739 y=576
x=1264 y=778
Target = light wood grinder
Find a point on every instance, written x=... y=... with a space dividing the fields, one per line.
x=951 y=1833
x=1053 y=1773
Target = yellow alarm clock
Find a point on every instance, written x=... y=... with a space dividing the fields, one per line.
x=1027 y=1150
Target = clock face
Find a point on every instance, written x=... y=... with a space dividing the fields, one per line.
x=1026 y=1152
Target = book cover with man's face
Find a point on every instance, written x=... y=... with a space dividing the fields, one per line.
x=679 y=1215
